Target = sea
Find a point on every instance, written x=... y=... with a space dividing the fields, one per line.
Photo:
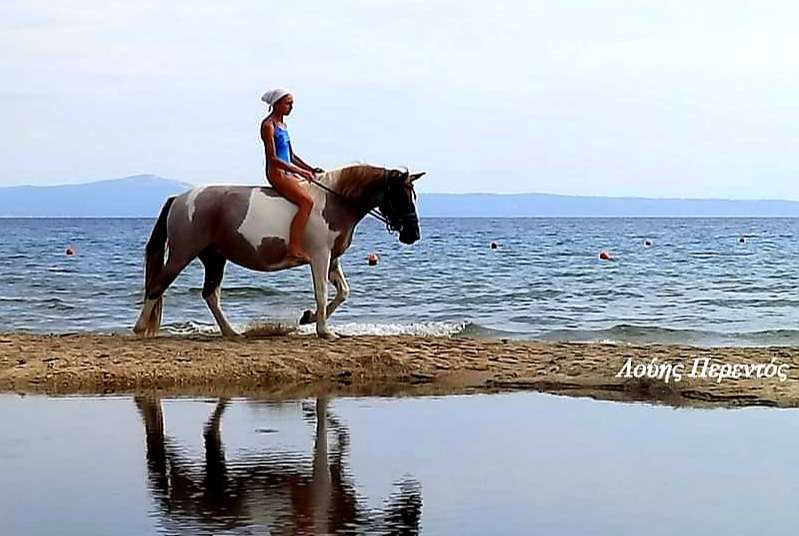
x=695 y=281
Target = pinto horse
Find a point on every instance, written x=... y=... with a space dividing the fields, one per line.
x=249 y=226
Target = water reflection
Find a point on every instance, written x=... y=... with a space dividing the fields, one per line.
x=267 y=492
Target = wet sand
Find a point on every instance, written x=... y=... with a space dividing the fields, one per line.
x=292 y=365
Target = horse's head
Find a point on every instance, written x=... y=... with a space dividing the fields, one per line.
x=397 y=203
x=389 y=190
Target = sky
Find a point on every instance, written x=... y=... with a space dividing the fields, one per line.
x=628 y=97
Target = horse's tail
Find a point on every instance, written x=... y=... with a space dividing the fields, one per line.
x=150 y=318
x=156 y=249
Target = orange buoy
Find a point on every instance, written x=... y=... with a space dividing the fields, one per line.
x=493 y=245
x=70 y=251
x=605 y=256
x=372 y=259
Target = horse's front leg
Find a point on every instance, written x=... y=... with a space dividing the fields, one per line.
x=320 y=265
x=342 y=287
x=336 y=276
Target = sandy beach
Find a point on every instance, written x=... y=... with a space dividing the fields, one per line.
x=292 y=365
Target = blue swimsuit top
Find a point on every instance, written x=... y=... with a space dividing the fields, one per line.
x=282 y=144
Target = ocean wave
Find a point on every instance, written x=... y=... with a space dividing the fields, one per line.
x=626 y=333
x=620 y=333
x=189 y=328
x=51 y=302
x=617 y=334
x=58 y=270
x=713 y=254
x=473 y=329
x=418 y=329
x=743 y=303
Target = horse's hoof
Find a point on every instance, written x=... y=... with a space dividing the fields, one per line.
x=329 y=335
x=232 y=335
x=307 y=317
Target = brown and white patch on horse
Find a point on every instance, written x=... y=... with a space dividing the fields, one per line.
x=269 y=191
x=272 y=250
x=266 y=216
x=246 y=230
x=337 y=213
x=191 y=201
x=341 y=220
x=341 y=243
x=184 y=224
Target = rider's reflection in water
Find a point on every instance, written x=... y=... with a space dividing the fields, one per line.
x=267 y=493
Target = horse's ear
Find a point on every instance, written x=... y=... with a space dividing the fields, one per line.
x=416 y=176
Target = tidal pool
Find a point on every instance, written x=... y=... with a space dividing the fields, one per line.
x=521 y=463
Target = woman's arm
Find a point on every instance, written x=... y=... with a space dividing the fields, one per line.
x=268 y=137
x=300 y=162
x=295 y=159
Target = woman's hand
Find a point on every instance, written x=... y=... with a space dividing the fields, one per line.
x=307 y=175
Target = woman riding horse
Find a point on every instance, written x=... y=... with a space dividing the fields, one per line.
x=283 y=165
x=249 y=226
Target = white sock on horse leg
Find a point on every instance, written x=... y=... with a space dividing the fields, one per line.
x=213 y=304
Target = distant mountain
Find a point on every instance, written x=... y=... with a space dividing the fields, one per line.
x=143 y=195
x=548 y=205
x=136 y=196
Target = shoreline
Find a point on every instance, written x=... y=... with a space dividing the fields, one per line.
x=293 y=366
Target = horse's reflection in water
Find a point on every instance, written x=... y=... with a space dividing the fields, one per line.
x=267 y=493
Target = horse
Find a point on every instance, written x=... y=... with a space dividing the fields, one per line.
x=249 y=226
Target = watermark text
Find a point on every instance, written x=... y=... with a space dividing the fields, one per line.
x=704 y=368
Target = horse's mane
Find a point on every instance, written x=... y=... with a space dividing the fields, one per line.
x=353 y=180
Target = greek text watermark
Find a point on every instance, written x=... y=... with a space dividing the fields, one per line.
x=703 y=368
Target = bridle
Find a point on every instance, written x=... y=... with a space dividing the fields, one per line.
x=381 y=213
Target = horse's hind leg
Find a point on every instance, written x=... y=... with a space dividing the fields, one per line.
x=150 y=318
x=214 y=264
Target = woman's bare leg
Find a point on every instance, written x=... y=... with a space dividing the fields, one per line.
x=289 y=188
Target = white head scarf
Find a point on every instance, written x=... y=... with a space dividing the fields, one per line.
x=274 y=95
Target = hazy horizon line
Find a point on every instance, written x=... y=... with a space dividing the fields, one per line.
x=503 y=194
